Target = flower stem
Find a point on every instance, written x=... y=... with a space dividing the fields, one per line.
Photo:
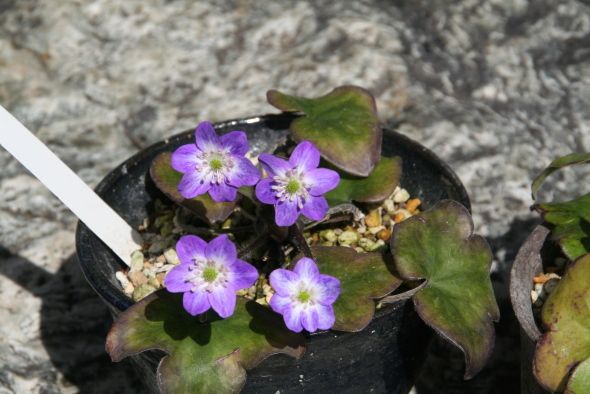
x=296 y=235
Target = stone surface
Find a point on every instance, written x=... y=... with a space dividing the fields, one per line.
x=495 y=87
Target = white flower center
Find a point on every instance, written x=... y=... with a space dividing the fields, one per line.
x=292 y=187
x=215 y=165
x=305 y=295
x=206 y=275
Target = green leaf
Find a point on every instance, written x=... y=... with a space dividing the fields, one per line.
x=565 y=212
x=167 y=180
x=561 y=162
x=375 y=188
x=458 y=300
x=566 y=315
x=579 y=382
x=201 y=357
x=343 y=125
x=571 y=224
x=573 y=237
x=363 y=277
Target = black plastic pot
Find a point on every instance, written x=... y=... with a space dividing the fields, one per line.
x=383 y=358
x=528 y=264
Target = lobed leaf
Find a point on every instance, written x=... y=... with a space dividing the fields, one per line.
x=457 y=300
x=167 y=180
x=375 y=188
x=561 y=162
x=201 y=357
x=566 y=315
x=363 y=277
x=343 y=124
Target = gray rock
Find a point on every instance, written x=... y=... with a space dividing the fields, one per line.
x=497 y=88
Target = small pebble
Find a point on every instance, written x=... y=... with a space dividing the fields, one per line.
x=413 y=204
x=399 y=217
x=137 y=260
x=160 y=277
x=373 y=219
x=122 y=278
x=171 y=256
x=384 y=234
x=389 y=206
x=329 y=235
x=348 y=237
x=401 y=195
x=142 y=291
x=375 y=230
x=138 y=278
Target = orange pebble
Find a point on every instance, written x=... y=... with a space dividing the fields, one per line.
x=384 y=234
x=541 y=278
x=399 y=217
x=412 y=204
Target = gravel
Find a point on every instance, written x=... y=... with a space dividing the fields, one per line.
x=496 y=88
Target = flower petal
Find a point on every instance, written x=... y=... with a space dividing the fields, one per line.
x=322 y=180
x=286 y=213
x=195 y=303
x=175 y=280
x=223 y=192
x=284 y=282
x=192 y=185
x=223 y=301
x=292 y=318
x=279 y=304
x=326 y=317
x=242 y=275
x=184 y=159
x=306 y=269
x=274 y=165
x=309 y=319
x=189 y=248
x=305 y=156
x=206 y=137
x=315 y=208
x=330 y=289
x=264 y=192
x=221 y=250
x=236 y=141
x=244 y=173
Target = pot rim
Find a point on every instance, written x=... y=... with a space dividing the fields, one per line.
x=527 y=264
x=125 y=302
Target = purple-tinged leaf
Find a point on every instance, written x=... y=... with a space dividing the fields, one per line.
x=364 y=277
x=167 y=180
x=379 y=185
x=201 y=357
x=439 y=246
x=343 y=124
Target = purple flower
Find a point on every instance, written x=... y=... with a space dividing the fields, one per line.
x=304 y=296
x=209 y=274
x=296 y=186
x=214 y=164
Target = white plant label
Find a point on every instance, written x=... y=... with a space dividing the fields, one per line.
x=100 y=218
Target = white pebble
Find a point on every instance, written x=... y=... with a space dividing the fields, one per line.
x=171 y=256
x=401 y=196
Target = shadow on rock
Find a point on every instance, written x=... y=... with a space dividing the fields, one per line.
x=74 y=324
